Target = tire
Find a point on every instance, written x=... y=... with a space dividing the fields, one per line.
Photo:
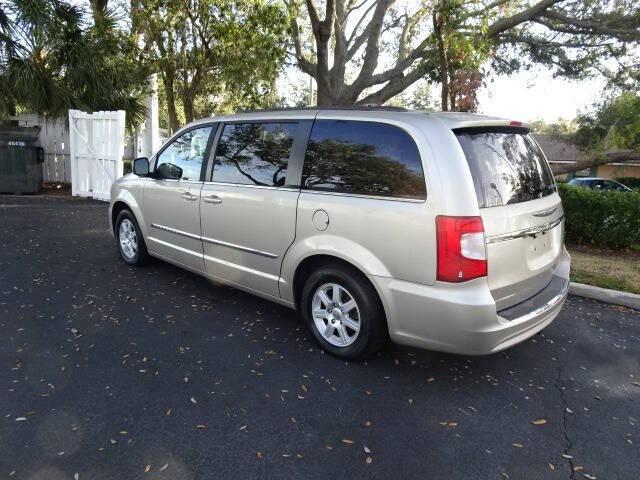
x=133 y=252
x=339 y=318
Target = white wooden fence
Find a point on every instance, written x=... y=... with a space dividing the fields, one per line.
x=56 y=167
x=96 y=142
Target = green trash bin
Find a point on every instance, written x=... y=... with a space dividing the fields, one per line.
x=21 y=160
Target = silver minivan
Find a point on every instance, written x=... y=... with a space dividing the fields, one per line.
x=437 y=230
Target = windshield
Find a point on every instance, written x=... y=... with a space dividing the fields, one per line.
x=506 y=164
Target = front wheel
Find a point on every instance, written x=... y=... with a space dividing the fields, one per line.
x=131 y=245
x=343 y=312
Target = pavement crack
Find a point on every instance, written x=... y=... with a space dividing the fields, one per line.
x=565 y=406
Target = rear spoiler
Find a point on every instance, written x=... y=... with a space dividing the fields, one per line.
x=484 y=128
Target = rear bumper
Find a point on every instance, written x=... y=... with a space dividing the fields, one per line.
x=462 y=318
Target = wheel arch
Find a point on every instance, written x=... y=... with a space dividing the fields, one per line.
x=312 y=262
x=117 y=207
x=126 y=200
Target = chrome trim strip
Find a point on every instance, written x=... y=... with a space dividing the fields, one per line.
x=273 y=278
x=214 y=241
x=175 y=247
x=239 y=247
x=264 y=187
x=177 y=232
x=191 y=182
x=527 y=232
x=371 y=197
x=545 y=213
x=542 y=309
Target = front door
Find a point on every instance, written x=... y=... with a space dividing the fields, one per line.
x=249 y=208
x=172 y=199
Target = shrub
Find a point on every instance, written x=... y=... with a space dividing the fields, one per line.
x=603 y=219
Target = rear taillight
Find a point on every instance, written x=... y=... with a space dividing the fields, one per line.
x=461 y=249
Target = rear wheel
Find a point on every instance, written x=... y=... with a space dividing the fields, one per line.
x=131 y=245
x=343 y=312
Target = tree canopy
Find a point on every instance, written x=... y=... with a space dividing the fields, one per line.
x=54 y=57
x=212 y=52
x=368 y=51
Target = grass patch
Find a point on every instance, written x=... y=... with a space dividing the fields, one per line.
x=606 y=269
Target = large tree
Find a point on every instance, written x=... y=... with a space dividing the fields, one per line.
x=205 y=49
x=368 y=51
x=52 y=58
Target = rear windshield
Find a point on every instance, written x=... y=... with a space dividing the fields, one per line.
x=507 y=166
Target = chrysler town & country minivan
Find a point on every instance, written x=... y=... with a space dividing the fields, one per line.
x=443 y=231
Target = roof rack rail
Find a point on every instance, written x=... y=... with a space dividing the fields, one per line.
x=341 y=107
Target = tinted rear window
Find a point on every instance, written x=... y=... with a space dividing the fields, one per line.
x=368 y=158
x=507 y=166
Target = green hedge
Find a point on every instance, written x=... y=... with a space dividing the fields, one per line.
x=602 y=219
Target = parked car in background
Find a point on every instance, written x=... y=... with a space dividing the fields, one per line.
x=441 y=231
x=601 y=184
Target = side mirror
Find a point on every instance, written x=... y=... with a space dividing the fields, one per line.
x=141 y=166
x=169 y=171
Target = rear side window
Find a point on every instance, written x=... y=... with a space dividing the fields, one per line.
x=367 y=158
x=507 y=166
x=254 y=153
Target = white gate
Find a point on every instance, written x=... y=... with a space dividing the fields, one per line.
x=96 y=144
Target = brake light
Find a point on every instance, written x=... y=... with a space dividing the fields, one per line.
x=462 y=253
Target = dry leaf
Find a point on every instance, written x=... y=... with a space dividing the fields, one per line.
x=347 y=441
x=518 y=445
x=542 y=421
x=147 y=468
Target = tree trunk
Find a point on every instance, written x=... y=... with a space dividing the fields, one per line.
x=169 y=77
x=325 y=94
x=187 y=103
x=98 y=9
x=443 y=62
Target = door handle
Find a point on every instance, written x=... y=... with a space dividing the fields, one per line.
x=188 y=196
x=212 y=199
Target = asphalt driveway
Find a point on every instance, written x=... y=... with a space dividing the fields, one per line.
x=110 y=372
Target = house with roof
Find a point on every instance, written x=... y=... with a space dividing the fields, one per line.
x=560 y=151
